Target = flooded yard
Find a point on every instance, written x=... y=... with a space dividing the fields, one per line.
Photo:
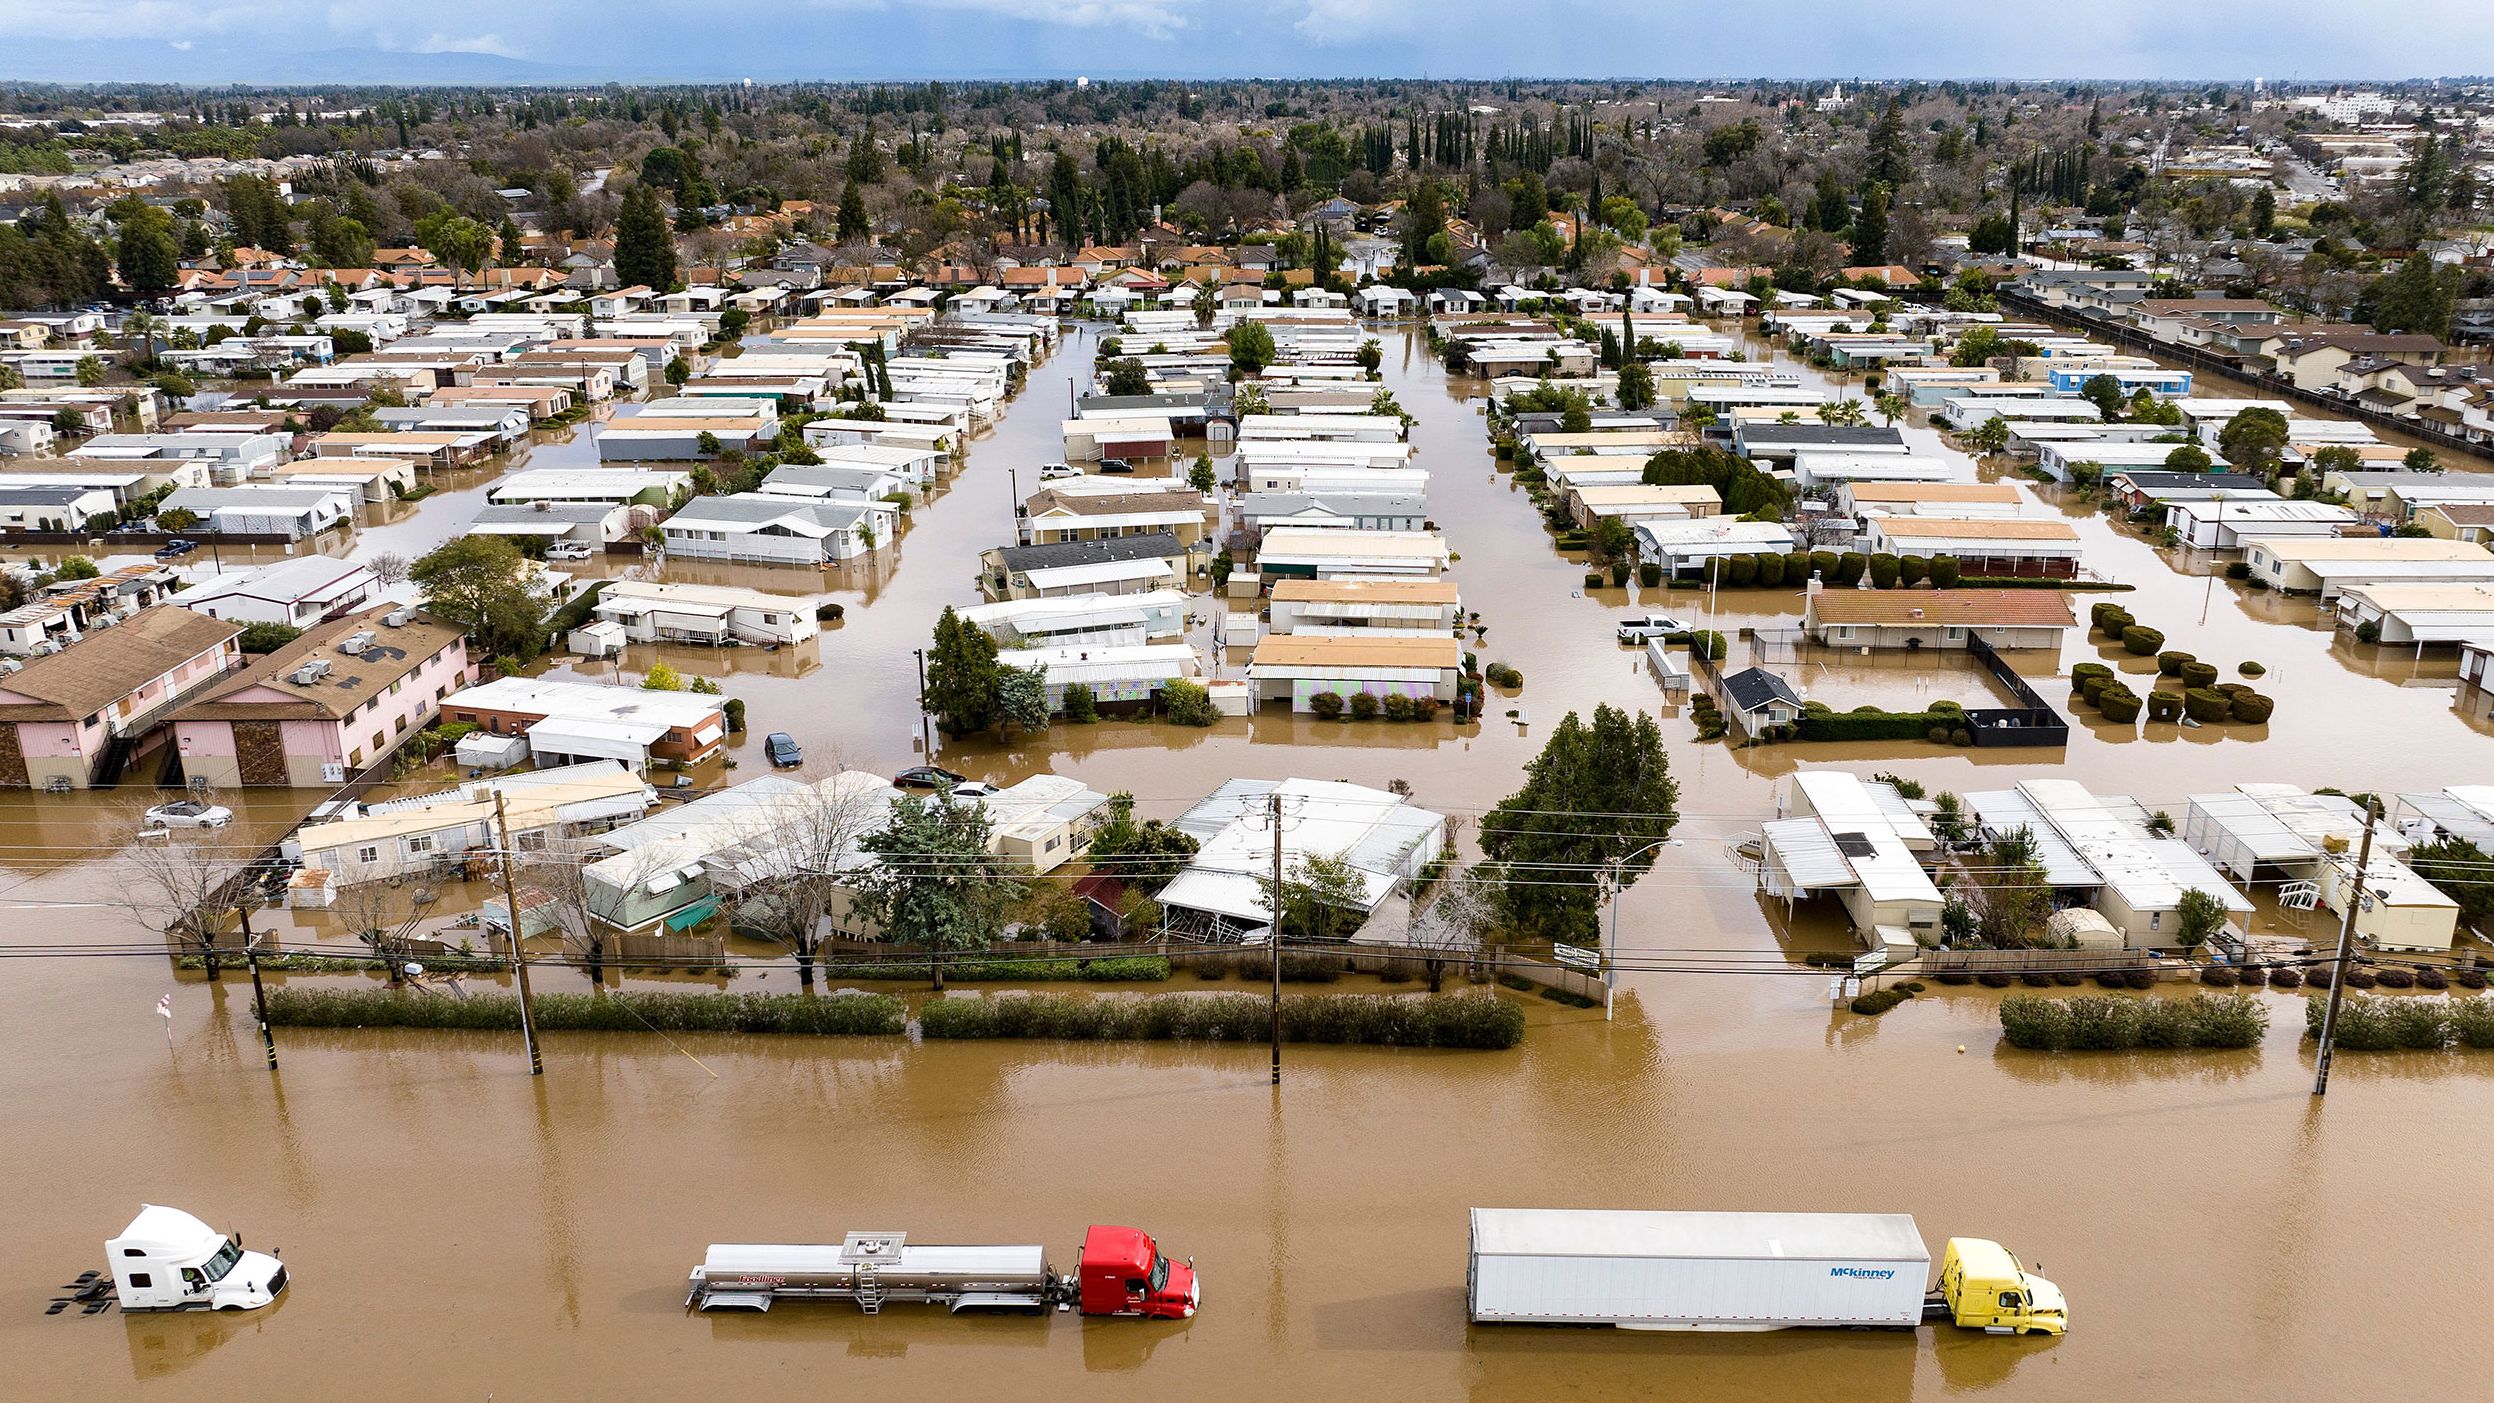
x=443 y=1215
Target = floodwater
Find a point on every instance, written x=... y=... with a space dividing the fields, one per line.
x=462 y=1230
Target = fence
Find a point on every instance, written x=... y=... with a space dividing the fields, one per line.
x=2033 y=724
x=1933 y=962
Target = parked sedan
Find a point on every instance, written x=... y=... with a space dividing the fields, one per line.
x=1115 y=465
x=189 y=813
x=175 y=549
x=783 y=749
x=928 y=777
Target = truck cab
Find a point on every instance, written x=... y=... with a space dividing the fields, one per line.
x=1123 y=1273
x=168 y=1260
x=1985 y=1288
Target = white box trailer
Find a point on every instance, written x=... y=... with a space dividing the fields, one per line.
x=1696 y=1271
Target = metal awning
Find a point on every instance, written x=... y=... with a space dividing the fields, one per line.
x=693 y=915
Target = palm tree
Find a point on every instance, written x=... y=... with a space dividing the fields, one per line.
x=1891 y=406
x=143 y=324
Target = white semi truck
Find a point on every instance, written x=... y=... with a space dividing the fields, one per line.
x=1743 y=1271
x=168 y=1260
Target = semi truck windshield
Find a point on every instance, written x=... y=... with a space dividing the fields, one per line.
x=217 y=1266
x=1160 y=1272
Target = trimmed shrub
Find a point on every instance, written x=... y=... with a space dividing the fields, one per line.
x=1593 y=579
x=2139 y=978
x=2110 y=979
x=2469 y=978
x=2205 y=706
x=2251 y=669
x=2169 y=663
x=1796 y=567
x=1824 y=562
x=1944 y=572
x=2251 y=708
x=2035 y=979
x=2068 y=979
x=2238 y=570
x=2164 y=706
x=1850 y=567
x=2287 y=978
x=1993 y=979
x=2472 y=1021
x=1399 y=707
x=2095 y=1023
x=831 y=1015
x=1912 y=570
x=1619 y=574
x=1443 y=1020
x=2100 y=616
x=1770 y=570
x=2084 y=672
x=1884 y=571
x=2220 y=977
x=2361 y=978
x=1327 y=705
x=1878 y=1001
x=2119 y=704
x=2197 y=674
x=1502 y=675
x=1363 y=706
x=2142 y=641
x=1649 y=573
x=1955 y=976
x=2318 y=976
x=1740 y=572
x=2252 y=976
x=2396 y=977
x=2376 y=1024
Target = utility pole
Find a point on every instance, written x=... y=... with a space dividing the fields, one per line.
x=926 y=737
x=519 y=958
x=2353 y=898
x=1610 y=945
x=1275 y=814
x=259 y=991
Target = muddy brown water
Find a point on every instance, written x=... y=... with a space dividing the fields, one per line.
x=461 y=1230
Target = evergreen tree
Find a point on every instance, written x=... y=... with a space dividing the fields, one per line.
x=644 y=249
x=148 y=261
x=852 y=224
x=1870 y=228
x=963 y=676
x=1595 y=807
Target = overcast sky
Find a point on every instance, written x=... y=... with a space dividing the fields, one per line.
x=206 y=40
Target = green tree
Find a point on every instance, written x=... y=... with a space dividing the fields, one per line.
x=935 y=885
x=1022 y=697
x=1596 y=805
x=1370 y=356
x=644 y=248
x=677 y=371
x=2016 y=896
x=90 y=371
x=662 y=678
x=2188 y=458
x=1126 y=376
x=1323 y=898
x=1990 y=436
x=962 y=676
x=2197 y=917
x=76 y=567
x=1870 y=228
x=2105 y=393
x=1188 y=703
x=851 y=224
x=1636 y=385
x=1199 y=475
x=1251 y=346
x=2421 y=459
x=2418 y=297
x=1891 y=406
x=146 y=256
x=1145 y=856
x=2254 y=441
x=485 y=586
x=2464 y=872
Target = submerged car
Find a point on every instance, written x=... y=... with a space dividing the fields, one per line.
x=928 y=777
x=783 y=749
x=189 y=813
x=1637 y=628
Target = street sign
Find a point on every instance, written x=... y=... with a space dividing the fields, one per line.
x=1576 y=956
x=1870 y=962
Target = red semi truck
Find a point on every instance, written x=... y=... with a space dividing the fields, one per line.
x=1121 y=1272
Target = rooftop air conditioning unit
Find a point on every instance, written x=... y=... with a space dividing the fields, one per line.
x=396 y=618
x=356 y=642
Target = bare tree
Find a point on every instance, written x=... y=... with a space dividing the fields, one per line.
x=795 y=874
x=184 y=882
x=388 y=568
x=1454 y=922
x=589 y=910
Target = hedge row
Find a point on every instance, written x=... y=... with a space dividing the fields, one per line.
x=830 y=1015
x=1871 y=723
x=2097 y=1023
x=2375 y=1023
x=1037 y=969
x=1445 y=1020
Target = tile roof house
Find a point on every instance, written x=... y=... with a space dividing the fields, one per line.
x=76 y=718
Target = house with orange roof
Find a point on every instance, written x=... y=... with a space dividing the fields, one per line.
x=394 y=258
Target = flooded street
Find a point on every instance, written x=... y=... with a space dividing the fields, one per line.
x=444 y=1216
